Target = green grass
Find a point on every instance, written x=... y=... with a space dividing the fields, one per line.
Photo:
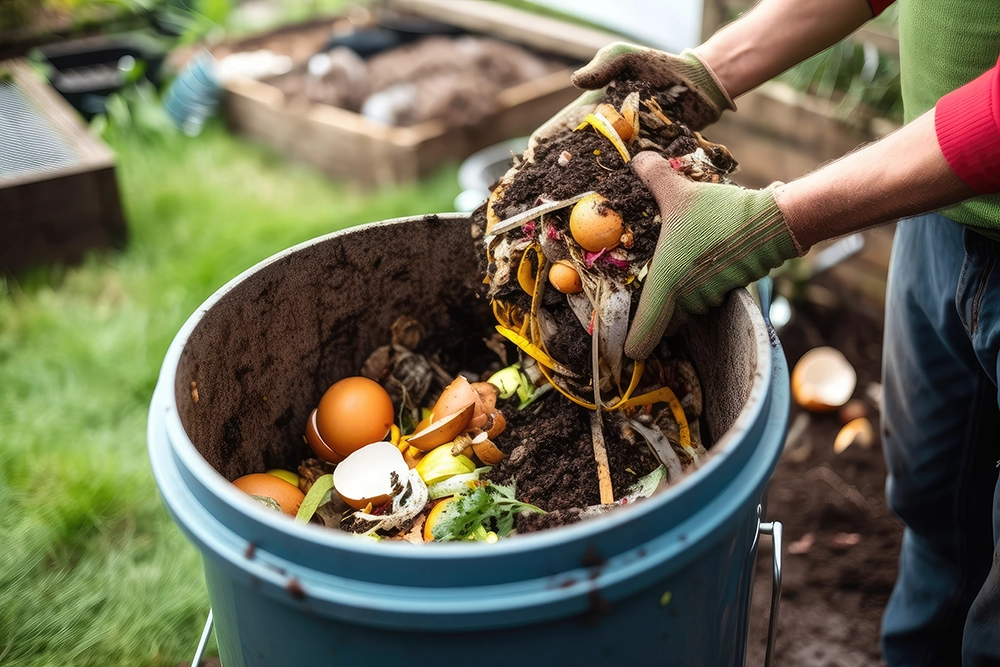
x=92 y=571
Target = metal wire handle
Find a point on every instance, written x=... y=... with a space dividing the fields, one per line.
x=773 y=529
x=205 y=634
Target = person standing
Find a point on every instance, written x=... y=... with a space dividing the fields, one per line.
x=940 y=171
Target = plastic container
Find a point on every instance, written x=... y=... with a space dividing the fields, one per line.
x=664 y=581
x=479 y=172
x=194 y=95
x=85 y=71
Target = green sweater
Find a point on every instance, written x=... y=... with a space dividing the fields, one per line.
x=944 y=44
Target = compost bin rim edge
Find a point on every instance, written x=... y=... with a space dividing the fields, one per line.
x=210 y=478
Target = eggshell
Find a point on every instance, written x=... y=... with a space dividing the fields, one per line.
x=488 y=453
x=498 y=426
x=365 y=475
x=823 y=380
x=486 y=404
x=594 y=225
x=316 y=442
x=286 y=495
x=354 y=412
x=455 y=397
x=858 y=431
x=565 y=278
x=443 y=430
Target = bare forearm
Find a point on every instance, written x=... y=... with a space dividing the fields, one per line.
x=775 y=35
x=901 y=175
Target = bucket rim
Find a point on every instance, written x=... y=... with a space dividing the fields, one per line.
x=184 y=450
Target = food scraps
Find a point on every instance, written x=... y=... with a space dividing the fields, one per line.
x=574 y=428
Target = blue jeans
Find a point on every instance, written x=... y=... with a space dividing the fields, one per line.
x=941 y=435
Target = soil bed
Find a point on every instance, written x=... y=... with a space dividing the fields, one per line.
x=841 y=541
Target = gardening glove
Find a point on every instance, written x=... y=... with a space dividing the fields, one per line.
x=713 y=238
x=663 y=70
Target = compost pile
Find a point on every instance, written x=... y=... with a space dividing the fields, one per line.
x=573 y=428
x=455 y=80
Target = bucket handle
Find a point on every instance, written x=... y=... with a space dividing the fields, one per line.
x=773 y=528
x=765 y=292
x=205 y=634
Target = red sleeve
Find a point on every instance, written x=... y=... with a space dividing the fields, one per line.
x=878 y=6
x=967 y=122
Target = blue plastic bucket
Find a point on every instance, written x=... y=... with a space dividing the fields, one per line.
x=666 y=581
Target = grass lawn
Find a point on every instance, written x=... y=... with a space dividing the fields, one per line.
x=92 y=571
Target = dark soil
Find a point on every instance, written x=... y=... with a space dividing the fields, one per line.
x=549 y=448
x=456 y=80
x=552 y=459
x=841 y=542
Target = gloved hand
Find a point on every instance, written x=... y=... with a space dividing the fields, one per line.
x=714 y=238
x=639 y=63
x=661 y=69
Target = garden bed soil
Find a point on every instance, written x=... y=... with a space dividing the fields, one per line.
x=841 y=541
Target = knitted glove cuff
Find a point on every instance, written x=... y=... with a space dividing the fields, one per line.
x=704 y=80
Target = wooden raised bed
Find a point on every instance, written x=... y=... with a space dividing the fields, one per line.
x=58 y=194
x=347 y=146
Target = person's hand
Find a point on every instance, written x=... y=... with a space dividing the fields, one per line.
x=663 y=70
x=713 y=238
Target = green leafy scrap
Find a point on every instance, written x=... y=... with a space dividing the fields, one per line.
x=488 y=505
x=320 y=494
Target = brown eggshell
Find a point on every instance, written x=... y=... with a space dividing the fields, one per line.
x=286 y=495
x=595 y=225
x=315 y=440
x=488 y=453
x=485 y=405
x=443 y=430
x=853 y=409
x=565 y=278
x=622 y=126
x=498 y=425
x=455 y=397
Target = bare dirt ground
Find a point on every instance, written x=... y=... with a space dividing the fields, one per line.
x=841 y=541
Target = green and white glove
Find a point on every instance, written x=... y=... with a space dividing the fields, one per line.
x=639 y=63
x=714 y=238
x=661 y=69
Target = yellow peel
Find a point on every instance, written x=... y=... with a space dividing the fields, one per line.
x=636 y=375
x=666 y=395
x=527 y=346
x=526 y=270
x=604 y=126
x=630 y=112
x=579 y=401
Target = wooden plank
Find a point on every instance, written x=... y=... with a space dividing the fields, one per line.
x=542 y=33
x=348 y=146
x=58 y=215
x=534 y=89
